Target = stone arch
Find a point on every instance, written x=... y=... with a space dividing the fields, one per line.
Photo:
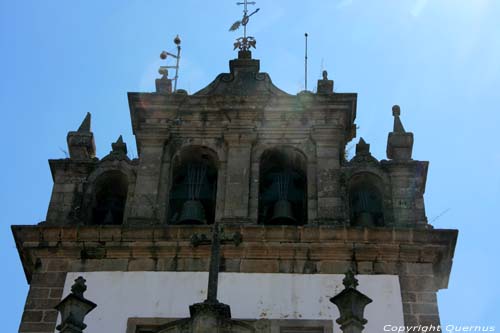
x=193 y=185
x=109 y=197
x=282 y=186
x=106 y=174
x=215 y=146
x=366 y=200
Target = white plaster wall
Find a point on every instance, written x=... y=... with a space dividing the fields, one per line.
x=120 y=295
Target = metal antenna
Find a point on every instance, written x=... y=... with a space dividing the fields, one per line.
x=163 y=56
x=305 y=62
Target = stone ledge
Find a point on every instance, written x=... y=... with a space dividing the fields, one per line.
x=302 y=234
x=280 y=249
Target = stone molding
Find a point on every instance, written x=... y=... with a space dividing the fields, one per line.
x=268 y=249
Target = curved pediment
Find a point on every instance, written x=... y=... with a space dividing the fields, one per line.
x=244 y=79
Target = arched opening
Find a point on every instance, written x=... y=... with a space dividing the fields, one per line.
x=194 y=187
x=110 y=197
x=283 y=187
x=366 y=201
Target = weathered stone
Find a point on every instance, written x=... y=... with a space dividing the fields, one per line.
x=32 y=316
x=36 y=327
x=385 y=267
x=142 y=265
x=56 y=293
x=50 y=316
x=237 y=120
x=194 y=264
x=425 y=308
x=427 y=320
x=48 y=279
x=259 y=266
x=38 y=292
x=334 y=267
x=365 y=267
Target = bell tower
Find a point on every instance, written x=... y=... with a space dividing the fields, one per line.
x=251 y=184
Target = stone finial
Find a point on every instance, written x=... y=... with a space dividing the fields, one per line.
x=79 y=287
x=362 y=148
x=363 y=155
x=398 y=126
x=119 y=146
x=396 y=110
x=350 y=280
x=325 y=86
x=351 y=304
x=163 y=84
x=399 y=142
x=81 y=144
x=73 y=308
x=118 y=152
x=85 y=125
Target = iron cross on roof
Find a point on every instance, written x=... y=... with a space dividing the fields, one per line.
x=244 y=43
x=218 y=237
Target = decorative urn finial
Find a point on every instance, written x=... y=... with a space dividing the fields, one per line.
x=351 y=304
x=73 y=308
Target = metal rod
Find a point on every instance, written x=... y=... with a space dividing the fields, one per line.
x=178 y=58
x=305 y=63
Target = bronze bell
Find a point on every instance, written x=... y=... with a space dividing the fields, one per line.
x=192 y=212
x=282 y=213
x=364 y=219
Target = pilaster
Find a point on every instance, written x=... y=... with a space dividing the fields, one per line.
x=238 y=168
x=145 y=204
x=329 y=143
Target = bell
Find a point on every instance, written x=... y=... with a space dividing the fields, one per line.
x=108 y=219
x=192 y=213
x=364 y=219
x=282 y=213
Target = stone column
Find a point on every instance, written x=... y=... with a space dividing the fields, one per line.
x=238 y=167
x=328 y=148
x=145 y=207
x=408 y=184
x=66 y=201
x=408 y=177
x=46 y=287
x=419 y=294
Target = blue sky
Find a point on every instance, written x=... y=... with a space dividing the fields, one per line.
x=438 y=59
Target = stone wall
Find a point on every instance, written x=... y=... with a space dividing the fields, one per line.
x=421 y=258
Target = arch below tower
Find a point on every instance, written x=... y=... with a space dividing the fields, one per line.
x=283 y=186
x=366 y=200
x=109 y=198
x=193 y=189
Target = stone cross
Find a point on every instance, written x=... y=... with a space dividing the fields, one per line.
x=213 y=273
x=211 y=313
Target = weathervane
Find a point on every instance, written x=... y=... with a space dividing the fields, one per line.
x=246 y=42
x=163 y=55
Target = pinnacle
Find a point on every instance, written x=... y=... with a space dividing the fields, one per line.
x=119 y=146
x=362 y=147
x=85 y=125
x=398 y=125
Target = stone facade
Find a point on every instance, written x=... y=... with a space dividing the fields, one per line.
x=237 y=119
x=421 y=258
x=117 y=214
